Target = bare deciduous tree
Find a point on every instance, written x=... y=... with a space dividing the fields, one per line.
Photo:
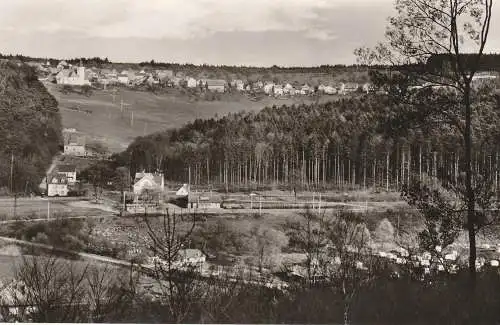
x=178 y=281
x=349 y=264
x=437 y=29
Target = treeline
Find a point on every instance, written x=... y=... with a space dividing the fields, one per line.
x=89 y=62
x=357 y=142
x=321 y=69
x=487 y=62
x=30 y=129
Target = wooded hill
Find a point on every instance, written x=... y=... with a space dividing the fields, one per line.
x=351 y=143
x=30 y=128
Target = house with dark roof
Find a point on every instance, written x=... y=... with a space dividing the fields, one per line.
x=216 y=85
x=69 y=171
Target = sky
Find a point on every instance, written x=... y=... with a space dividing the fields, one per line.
x=231 y=32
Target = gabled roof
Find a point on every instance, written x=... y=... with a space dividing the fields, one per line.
x=156 y=178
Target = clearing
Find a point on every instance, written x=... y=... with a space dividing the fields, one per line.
x=102 y=116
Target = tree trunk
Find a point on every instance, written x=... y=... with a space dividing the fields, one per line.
x=387 y=171
x=420 y=162
x=470 y=198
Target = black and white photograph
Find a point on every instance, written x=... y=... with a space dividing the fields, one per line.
x=250 y=162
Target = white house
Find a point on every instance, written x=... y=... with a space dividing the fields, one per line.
x=288 y=89
x=351 y=87
x=190 y=258
x=148 y=181
x=72 y=76
x=69 y=171
x=192 y=83
x=278 y=90
x=330 y=90
x=238 y=84
x=75 y=147
x=340 y=88
x=305 y=90
x=58 y=185
x=368 y=87
x=269 y=88
x=123 y=78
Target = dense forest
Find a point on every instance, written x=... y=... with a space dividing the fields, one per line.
x=30 y=128
x=487 y=61
x=353 y=143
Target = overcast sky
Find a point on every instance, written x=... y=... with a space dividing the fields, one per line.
x=233 y=32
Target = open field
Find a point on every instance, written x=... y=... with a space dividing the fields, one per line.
x=38 y=207
x=102 y=119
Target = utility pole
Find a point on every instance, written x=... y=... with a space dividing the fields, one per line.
x=48 y=208
x=132 y=119
x=12 y=172
x=260 y=205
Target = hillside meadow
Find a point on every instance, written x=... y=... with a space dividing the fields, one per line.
x=102 y=119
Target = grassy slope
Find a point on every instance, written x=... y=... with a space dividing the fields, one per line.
x=152 y=113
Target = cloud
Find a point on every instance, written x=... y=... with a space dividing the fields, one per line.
x=248 y=32
x=167 y=18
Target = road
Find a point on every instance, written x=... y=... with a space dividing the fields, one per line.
x=52 y=219
x=37 y=207
x=86 y=256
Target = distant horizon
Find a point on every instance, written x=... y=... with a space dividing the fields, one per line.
x=110 y=61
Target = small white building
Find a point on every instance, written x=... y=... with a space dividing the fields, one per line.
x=278 y=90
x=238 y=85
x=190 y=257
x=288 y=89
x=306 y=90
x=192 y=82
x=148 y=181
x=269 y=88
x=75 y=149
x=123 y=78
x=329 y=90
x=351 y=87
